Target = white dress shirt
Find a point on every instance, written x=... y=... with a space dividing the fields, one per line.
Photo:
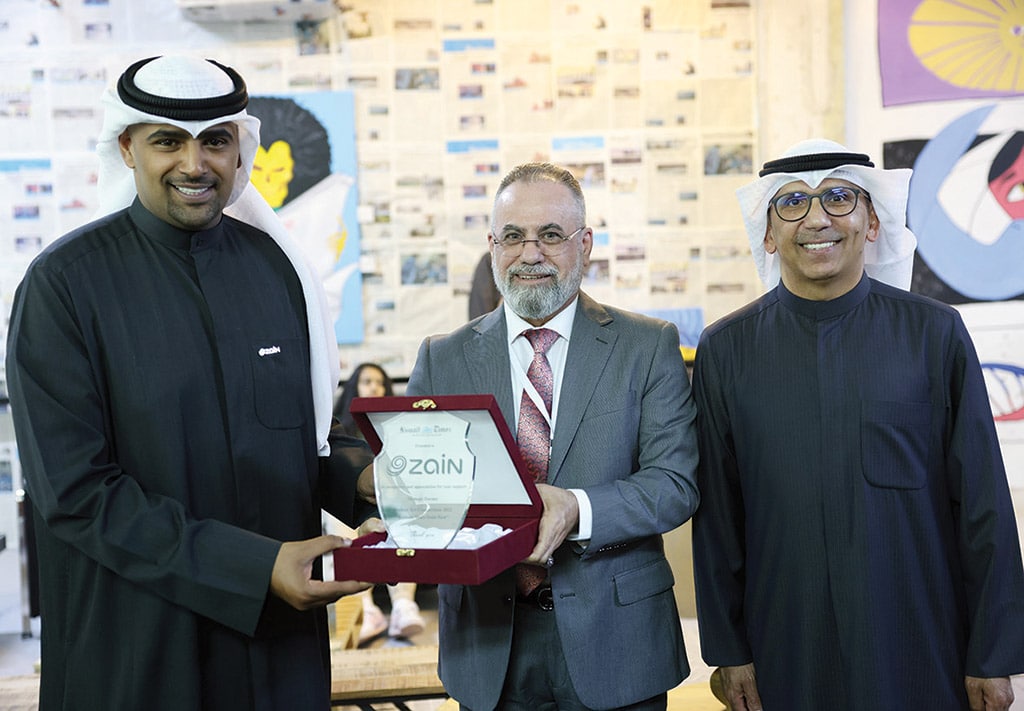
x=521 y=355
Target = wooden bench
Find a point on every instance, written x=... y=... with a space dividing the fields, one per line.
x=19 y=693
x=371 y=676
x=360 y=677
x=348 y=620
x=363 y=677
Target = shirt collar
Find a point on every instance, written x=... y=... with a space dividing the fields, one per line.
x=155 y=228
x=823 y=310
x=561 y=323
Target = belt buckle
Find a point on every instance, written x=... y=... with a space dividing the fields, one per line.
x=545 y=598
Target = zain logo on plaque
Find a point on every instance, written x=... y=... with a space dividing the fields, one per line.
x=424 y=477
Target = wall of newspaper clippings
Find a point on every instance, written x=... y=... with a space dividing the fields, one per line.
x=652 y=105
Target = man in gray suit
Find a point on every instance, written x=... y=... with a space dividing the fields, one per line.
x=600 y=630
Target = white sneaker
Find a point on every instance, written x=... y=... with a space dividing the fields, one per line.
x=406 y=620
x=374 y=623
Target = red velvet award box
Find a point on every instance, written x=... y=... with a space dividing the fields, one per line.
x=502 y=493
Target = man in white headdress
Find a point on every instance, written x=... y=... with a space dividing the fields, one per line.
x=171 y=376
x=855 y=547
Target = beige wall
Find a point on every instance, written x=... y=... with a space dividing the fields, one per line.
x=679 y=549
x=800 y=75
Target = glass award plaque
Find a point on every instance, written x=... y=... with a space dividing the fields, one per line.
x=469 y=476
x=423 y=476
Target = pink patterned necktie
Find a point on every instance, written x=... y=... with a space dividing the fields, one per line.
x=534 y=434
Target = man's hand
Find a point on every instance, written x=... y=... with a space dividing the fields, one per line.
x=370 y=525
x=292 y=577
x=989 y=694
x=365 y=489
x=559 y=518
x=739 y=684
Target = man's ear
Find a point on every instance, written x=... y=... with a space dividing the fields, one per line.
x=874 y=225
x=769 y=238
x=124 y=142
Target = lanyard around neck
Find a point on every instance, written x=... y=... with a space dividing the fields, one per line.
x=530 y=389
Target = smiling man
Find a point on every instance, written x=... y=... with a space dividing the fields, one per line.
x=185 y=181
x=855 y=546
x=588 y=620
x=171 y=378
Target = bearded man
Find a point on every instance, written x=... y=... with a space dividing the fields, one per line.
x=601 y=404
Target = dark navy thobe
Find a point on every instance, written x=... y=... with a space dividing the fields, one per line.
x=160 y=386
x=856 y=538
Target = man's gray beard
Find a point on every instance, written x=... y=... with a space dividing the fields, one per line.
x=535 y=302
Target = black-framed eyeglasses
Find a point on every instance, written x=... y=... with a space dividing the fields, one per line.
x=550 y=240
x=837 y=202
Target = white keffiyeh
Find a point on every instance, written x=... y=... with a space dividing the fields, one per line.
x=890 y=258
x=183 y=77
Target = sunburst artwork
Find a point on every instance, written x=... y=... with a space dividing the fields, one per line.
x=971 y=44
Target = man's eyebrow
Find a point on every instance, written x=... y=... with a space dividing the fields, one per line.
x=180 y=133
x=217 y=132
x=543 y=228
x=167 y=132
x=550 y=226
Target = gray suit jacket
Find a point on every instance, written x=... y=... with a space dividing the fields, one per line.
x=625 y=435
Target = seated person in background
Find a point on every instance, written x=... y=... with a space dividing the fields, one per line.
x=370 y=380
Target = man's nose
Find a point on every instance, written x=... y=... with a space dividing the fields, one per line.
x=531 y=251
x=816 y=214
x=193 y=158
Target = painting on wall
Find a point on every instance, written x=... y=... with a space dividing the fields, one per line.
x=306 y=169
x=934 y=50
x=951 y=76
x=966 y=206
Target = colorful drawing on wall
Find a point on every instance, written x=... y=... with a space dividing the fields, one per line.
x=1005 y=383
x=998 y=333
x=966 y=206
x=934 y=50
x=305 y=168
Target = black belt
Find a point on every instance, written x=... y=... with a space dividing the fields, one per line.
x=542 y=598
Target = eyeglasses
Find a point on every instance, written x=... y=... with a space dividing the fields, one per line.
x=550 y=241
x=838 y=202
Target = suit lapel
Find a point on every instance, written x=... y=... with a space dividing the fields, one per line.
x=591 y=345
x=589 y=349
x=488 y=363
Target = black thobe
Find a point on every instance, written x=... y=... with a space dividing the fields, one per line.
x=160 y=388
x=856 y=537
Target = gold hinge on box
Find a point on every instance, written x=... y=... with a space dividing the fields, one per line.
x=405 y=552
